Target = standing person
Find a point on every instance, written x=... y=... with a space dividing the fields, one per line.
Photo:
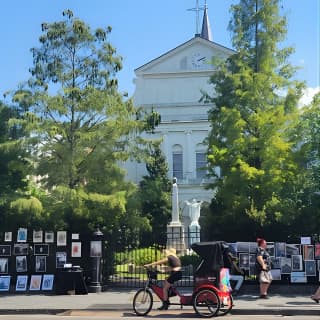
x=316 y=296
x=263 y=264
x=174 y=266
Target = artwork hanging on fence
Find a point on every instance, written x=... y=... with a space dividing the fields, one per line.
x=37 y=236
x=317 y=251
x=61 y=238
x=244 y=261
x=75 y=236
x=298 y=277
x=21 y=284
x=276 y=274
x=76 y=250
x=308 y=252
x=243 y=247
x=41 y=249
x=252 y=259
x=318 y=265
x=276 y=262
x=305 y=240
x=95 y=249
x=5 y=250
x=296 y=263
x=292 y=249
x=21 y=264
x=40 y=264
x=7 y=236
x=285 y=265
x=5 y=283
x=253 y=247
x=61 y=259
x=4 y=265
x=49 y=237
x=280 y=249
x=35 y=282
x=310 y=268
x=20 y=249
x=270 y=249
x=22 y=235
x=47 y=282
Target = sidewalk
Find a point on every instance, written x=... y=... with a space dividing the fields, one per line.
x=122 y=301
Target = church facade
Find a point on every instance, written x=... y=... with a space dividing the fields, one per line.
x=171 y=85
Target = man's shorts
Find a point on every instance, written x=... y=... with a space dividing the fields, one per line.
x=174 y=276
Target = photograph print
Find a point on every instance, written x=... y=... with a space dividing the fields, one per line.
x=310 y=268
x=35 y=282
x=4 y=262
x=298 y=277
x=41 y=249
x=47 y=282
x=49 y=237
x=20 y=249
x=40 y=264
x=276 y=262
x=61 y=238
x=296 y=263
x=292 y=249
x=37 y=236
x=22 y=235
x=21 y=284
x=76 y=250
x=21 y=264
x=61 y=259
x=5 y=283
x=95 y=249
x=276 y=274
x=7 y=236
x=5 y=250
x=244 y=261
x=280 y=249
x=270 y=249
x=317 y=251
x=285 y=265
x=308 y=252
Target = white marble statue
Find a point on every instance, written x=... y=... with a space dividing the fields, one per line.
x=194 y=214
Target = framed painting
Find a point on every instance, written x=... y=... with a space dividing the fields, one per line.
x=317 y=251
x=5 y=283
x=35 y=282
x=21 y=249
x=21 y=264
x=296 y=263
x=41 y=249
x=276 y=274
x=47 y=282
x=280 y=249
x=61 y=259
x=49 y=237
x=308 y=252
x=37 y=236
x=21 y=284
x=285 y=264
x=5 y=250
x=244 y=261
x=7 y=236
x=95 y=249
x=61 y=238
x=310 y=268
x=298 y=277
x=41 y=264
x=76 y=250
x=4 y=265
x=22 y=235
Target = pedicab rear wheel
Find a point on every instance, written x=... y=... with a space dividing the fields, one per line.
x=142 y=302
x=226 y=304
x=206 y=303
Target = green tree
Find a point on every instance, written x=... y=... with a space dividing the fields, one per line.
x=155 y=195
x=255 y=103
x=80 y=127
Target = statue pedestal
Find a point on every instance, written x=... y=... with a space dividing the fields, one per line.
x=175 y=236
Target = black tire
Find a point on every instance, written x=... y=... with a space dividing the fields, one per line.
x=206 y=303
x=226 y=305
x=142 y=302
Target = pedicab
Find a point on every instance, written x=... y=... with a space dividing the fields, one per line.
x=211 y=294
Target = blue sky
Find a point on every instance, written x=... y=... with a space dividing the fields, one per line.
x=143 y=30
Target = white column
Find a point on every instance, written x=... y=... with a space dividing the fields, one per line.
x=188 y=156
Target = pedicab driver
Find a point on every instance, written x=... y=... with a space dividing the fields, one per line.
x=174 y=267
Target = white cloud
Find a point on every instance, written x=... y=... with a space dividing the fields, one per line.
x=307 y=96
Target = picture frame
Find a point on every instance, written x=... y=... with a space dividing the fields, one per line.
x=21 y=264
x=280 y=249
x=49 y=237
x=40 y=264
x=318 y=262
x=8 y=236
x=276 y=274
x=35 y=282
x=21 y=249
x=75 y=236
x=253 y=246
x=5 y=283
x=244 y=261
x=243 y=247
x=305 y=240
x=298 y=277
x=5 y=250
x=292 y=249
x=41 y=249
x=4 y=265
x=296 y=263
x=310 y=268
x=95 y=249
x=21 y=283
x=285 y=265
x=317 y=251
x=252 y=259
x=276 y=262
x=22 y=235
x=76 y=249
x=37 y=236
x=61 y=259
x=270 y=249
x=61 y=238
x=47 y=282
x=308 y=252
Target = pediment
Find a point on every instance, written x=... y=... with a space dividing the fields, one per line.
x=193 y=55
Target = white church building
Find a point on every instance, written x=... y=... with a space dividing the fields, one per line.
x=171 y=84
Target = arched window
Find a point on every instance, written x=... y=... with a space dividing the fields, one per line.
x=177 y=161
x=201 y=162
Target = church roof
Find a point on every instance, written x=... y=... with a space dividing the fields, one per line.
x=206 y=30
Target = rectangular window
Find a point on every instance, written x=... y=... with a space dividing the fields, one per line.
x=201 y=163
x=177 y=165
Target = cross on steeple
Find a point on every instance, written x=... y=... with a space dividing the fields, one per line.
x=197 y=10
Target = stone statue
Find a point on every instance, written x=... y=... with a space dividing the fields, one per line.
x=175 y=203
x=194 y=214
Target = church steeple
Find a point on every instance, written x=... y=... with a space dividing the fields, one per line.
x=206 y=30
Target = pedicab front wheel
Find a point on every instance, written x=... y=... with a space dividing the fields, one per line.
x=206 y=303
x=142 y=302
